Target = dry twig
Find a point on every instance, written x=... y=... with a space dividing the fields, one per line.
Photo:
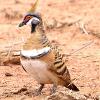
x=86 y=45
x=82 y=27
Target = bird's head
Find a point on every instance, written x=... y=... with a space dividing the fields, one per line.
x=32 y=18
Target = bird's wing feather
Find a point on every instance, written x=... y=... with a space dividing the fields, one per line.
x=59 y=67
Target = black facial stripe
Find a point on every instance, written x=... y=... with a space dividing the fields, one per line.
x=33 y=28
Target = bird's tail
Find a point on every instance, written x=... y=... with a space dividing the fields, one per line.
x=72 y=87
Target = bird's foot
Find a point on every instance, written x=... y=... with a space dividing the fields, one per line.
x=38 y=91
x=53 y=89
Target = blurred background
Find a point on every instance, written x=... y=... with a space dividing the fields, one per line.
x=70 y=24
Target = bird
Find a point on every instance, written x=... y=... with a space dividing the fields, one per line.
x=40 y=58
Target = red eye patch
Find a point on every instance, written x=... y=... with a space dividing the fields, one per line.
x=27 y=18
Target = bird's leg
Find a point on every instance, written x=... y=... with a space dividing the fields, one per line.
x=40 y=88
x=53 y=90
x=38 y=92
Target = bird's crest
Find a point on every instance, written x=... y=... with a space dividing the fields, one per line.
x=34 y=7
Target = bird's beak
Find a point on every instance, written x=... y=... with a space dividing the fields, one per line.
x=21 y=24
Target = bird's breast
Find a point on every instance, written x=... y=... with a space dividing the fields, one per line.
x=36 y=68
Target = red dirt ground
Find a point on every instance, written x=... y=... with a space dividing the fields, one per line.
x=84 y=66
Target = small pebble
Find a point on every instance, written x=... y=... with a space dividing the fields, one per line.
x=8 y=74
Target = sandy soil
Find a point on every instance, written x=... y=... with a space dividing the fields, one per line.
x=84 y=65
